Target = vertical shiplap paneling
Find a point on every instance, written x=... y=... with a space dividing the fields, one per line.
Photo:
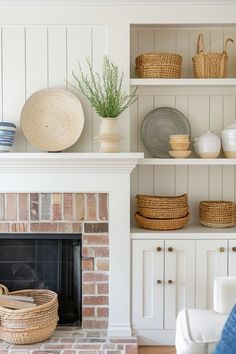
x=57 y=56
x=164 y=179
x=198 y=175
x=79 y=47
x=145 y=105
x=165 y=40
x=13 y=79
x=134 y=127
x=181 y=172
x=182 y=49
x=228 y=171
x=216 y=172
x=133 y=50
x=146 y=40
x=231 y=51
x=216 y=40
x=99 y=49
x=36 y=50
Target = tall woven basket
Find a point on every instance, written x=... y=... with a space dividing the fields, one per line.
x=210 y=65
x=29 y=325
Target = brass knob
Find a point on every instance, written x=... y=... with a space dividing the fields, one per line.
x=222 y=249
x=170 y=249
x=158 y=249
x=234 y=249
x=159 y=281
x=170 y=281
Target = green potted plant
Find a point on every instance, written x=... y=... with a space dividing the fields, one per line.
x=107 y=97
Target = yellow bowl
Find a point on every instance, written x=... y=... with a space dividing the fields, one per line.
x=179 y=146
x=180 y=154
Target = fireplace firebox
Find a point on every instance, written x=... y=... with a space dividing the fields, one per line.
x=49 y=261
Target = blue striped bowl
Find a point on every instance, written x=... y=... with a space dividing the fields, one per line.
x=7 y=133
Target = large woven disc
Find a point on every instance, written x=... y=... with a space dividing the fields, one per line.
x=52 y=119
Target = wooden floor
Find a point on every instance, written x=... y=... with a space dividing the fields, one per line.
x=156 y=349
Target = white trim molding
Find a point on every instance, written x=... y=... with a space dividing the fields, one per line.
x=69 y=162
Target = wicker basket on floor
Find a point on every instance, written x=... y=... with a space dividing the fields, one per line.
x=161 y=224
x=210 y=65
x=31 y=325
x=162 y=202
x=159 y=65
x=217 y=213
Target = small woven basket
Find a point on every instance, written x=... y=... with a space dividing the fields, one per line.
x=159 y=65
x=161 y=224
x=210 y=65
x=162 y=202
x=163 y=213
x=31 y=325
x=217 y=213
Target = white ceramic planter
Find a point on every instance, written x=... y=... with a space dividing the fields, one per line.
x=109 y=137
x=208 y=145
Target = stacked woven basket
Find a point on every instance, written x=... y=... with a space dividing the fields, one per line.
x=217 y=213
x=162 y=213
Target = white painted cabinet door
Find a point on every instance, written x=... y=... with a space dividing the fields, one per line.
x=147 y=284
x=232 y=257
x=179 y=278
x=211 y=261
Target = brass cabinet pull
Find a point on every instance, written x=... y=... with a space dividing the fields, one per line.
x=170 y=249
x=158 y=249
x=234 y=249
x=222 y=249
x=159 y=281
x=170 y=281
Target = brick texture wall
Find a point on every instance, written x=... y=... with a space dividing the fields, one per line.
x=69 y=213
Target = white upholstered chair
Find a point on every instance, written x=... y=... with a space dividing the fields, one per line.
x=198 y=331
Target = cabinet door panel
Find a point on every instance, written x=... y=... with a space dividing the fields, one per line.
x=211 y=262
x=179 y=278
x=232 y=257
x=147 y=293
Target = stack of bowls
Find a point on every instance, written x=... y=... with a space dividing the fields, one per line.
x=179 y=144
x=228 y=136
x=7 y=133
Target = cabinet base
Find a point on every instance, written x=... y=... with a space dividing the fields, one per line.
x=154 y=337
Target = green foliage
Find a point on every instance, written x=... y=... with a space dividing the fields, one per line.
x=104 y=92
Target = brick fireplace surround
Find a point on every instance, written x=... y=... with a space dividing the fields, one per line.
x=73 y=193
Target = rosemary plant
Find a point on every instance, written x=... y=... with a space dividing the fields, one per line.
x=104 y=92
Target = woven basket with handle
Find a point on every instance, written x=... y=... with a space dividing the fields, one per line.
x=212 y=64
x=29 y=325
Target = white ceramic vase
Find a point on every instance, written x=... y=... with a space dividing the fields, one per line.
x=108 y=136
x=208 y=145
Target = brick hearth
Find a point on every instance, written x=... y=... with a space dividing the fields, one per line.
x=69 y=213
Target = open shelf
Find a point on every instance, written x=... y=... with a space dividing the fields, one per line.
x=188 y=161
x=183 y=82
x=193 y=231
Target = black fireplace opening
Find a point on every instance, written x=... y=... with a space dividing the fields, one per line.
x=45 y=261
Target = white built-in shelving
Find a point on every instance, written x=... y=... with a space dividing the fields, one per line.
x=183 y=82
x=188 y=161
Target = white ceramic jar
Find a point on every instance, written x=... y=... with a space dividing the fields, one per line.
x=228 y=137
x=208 y=145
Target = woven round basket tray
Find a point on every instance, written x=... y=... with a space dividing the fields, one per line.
x=163 y=213
x=217 y=213
x=52 y=119
x=30 y=325
x=162 y=202
x=161 y=224
x=159 y=65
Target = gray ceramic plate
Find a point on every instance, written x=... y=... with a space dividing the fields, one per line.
x=158 y=125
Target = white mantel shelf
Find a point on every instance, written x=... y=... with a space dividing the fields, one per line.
x=69 y=162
